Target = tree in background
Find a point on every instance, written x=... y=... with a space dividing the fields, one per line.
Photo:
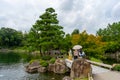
x=10 y=37
x=67 y=44
x=111 y=33
x=75 y=31
x=75 y=37
x=46 y=34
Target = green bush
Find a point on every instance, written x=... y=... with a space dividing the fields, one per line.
x=44 y=63
x=31 y=61
x=46 y=57
x=52 y=60
x=95 y=59
x=117 y=67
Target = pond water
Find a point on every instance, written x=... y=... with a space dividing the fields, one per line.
x=17 y=72
x=12 y=68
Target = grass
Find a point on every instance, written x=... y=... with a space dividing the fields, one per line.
x=81 y=79
x=117 y=67
x=95 y=59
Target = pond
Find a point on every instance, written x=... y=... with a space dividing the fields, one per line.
x=15 y=70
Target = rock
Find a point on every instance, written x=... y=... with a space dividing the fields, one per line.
x=51 y=67
x=33 y=67
x=80 y=69
x=60 y=61
x=53 y=78
x=67 y=78
x=42 y=69
x=58 y=67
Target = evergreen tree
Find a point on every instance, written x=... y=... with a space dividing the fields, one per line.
x=46 y=31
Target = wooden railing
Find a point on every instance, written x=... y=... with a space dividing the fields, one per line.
x=101 y=64
x=69 y=64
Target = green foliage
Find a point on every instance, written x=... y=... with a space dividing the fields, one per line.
x=26 y=57
x=111 y=33
x=44 y=63
x=95 y=59
x=97 y=53
x=47 y=57
x=75 y=31
x=52 y=60
x=109 y=60
x=117 y=67
x=46 y=34
x=112 y=47
x=10 y=37
x=31 y=61
x=67 y=42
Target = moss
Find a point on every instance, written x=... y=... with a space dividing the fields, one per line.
x=117 y=67
x=46 y=57
x=31 y=61
x=52 y=60
x=44 y=63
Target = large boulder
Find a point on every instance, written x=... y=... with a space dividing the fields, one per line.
x=80 y=68
x=33 y=67
x=51 y=67
x=42 y=69
x=58 y=67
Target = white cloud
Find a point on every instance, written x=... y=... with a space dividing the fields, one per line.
x=87 y=15
x=116 y=11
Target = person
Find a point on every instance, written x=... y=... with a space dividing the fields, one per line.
x=81 y=53
x=70 y=54
x=76 y=54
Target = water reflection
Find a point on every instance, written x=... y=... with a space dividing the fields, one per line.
x=16 y=72
x=12 y=69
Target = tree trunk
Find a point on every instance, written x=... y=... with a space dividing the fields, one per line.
x=41 y=52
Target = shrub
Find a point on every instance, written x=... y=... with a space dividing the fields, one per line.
x=117 y=67
x=46 y=57
x=95 y=59
x=44 y=63
x=52 y=60
x=31 y=61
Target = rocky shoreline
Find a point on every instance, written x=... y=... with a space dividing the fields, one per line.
x=80 y=68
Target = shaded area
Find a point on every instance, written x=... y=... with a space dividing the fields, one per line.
x=9 y=57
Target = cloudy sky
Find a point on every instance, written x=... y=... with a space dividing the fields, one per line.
x=89 y=15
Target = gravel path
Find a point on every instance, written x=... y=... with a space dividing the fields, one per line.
x=104 y=74
x=111 y=75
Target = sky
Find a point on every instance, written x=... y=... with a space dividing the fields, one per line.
x=89 y=15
